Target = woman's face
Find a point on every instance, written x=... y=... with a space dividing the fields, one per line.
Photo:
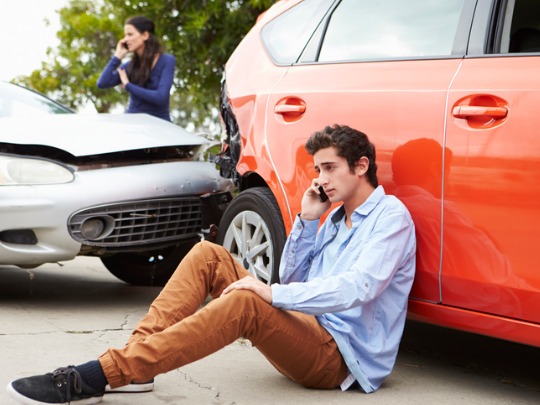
x=134 y=39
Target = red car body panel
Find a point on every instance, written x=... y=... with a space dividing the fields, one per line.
x=475 y=207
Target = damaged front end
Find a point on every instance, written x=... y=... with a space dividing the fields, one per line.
x=230 y=149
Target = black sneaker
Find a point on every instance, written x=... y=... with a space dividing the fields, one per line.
x=63 y=386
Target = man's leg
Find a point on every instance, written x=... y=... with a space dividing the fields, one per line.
x=177 y=334
x=176 y=301
x=206 y=270
x=295 y=343
x=301 y=349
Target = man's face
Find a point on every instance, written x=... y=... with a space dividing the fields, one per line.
x=335 y=176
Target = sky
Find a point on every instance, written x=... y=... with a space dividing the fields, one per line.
x=25 y=34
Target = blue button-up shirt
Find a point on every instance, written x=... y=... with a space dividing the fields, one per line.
x=362 y=299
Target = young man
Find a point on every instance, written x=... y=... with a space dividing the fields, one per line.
x=335 y=320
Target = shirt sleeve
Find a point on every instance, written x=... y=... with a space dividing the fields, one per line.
x=364 y=269
x=110 y=77
x=161 y=94
x=298 y=250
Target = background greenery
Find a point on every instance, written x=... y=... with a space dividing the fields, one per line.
x=200 y=33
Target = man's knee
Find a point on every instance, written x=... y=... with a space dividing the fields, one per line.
x=204 y=248
x=247 y=301
x=207 y=247
x=254 y=316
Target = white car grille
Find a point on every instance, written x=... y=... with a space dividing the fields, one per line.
x=138 y=222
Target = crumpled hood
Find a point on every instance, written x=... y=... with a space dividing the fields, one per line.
x=95 y=134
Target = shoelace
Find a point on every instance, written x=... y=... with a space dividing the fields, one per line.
x=64 y=375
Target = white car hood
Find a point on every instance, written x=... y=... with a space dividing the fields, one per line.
x=94 y=134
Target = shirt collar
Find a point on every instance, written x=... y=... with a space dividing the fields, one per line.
x=364 y=209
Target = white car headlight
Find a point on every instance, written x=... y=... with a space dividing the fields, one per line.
x=20 y=171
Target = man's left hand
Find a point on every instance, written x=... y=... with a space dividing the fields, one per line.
x=263 y=290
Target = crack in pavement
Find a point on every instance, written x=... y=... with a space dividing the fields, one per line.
x=191 y=380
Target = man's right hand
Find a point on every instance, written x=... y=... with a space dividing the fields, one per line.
x=312 y=207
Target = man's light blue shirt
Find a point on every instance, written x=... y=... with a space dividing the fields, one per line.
x=362 y=299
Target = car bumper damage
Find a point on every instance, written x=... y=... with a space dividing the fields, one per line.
x=92 y=216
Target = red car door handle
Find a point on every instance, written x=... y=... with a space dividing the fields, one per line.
x=466 y=111
x=289 y=108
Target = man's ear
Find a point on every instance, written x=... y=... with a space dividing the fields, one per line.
x=362 y=166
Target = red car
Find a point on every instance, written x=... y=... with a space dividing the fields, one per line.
x=448 y=92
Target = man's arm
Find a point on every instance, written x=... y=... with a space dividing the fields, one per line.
x=298 y=251
x=362 y=272
x=312 y=210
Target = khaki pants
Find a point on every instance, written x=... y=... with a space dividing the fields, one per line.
x=175 y=332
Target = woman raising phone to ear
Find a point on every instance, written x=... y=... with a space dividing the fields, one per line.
x=148 y=76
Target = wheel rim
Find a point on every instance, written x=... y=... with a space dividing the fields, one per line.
x=249 y=241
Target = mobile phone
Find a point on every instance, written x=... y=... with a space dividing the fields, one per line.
x=125 y=45
x=322 y=196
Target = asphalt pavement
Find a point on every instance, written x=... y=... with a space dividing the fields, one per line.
x=55 y=315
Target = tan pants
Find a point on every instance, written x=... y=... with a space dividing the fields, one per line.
x=175 y=332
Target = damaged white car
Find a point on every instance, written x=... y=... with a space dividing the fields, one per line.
x=127 y=188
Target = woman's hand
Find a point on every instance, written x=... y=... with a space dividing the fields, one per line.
x=123 y=77
x=121 y=51
x=263 y=290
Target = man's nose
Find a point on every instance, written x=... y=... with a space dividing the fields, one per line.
x=322 y=180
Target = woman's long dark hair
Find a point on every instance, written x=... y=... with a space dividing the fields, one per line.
x=139 y=68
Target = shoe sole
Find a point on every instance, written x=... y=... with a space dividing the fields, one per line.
x=130 y=389
x=21 y=399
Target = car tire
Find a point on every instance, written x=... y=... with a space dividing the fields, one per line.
x=151 y=268
x=252 y=230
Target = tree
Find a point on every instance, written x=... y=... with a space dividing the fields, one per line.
x=201 y=34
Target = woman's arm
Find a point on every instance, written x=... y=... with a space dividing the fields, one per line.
x=160 y=95
x=109 y=77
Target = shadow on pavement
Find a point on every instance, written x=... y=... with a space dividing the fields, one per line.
x=508 y=362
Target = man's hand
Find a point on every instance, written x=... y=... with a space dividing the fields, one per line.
x=263 y=290
x=312 y=207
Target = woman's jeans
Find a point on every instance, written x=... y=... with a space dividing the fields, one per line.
x=176 y=332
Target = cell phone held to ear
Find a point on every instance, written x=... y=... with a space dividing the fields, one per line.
x=322 y=196
x=125 y=45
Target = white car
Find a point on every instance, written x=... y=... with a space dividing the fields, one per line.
x=127 y=188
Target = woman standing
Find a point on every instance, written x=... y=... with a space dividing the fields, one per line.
x=148 y=76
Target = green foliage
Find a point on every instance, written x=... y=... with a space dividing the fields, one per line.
x=200 y=33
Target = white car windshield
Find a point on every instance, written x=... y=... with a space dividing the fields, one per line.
x=19 y=101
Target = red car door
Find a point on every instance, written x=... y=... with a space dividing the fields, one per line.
x=492 y=214
x=399 y=104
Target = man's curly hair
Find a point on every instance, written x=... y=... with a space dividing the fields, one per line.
x=350 y=144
